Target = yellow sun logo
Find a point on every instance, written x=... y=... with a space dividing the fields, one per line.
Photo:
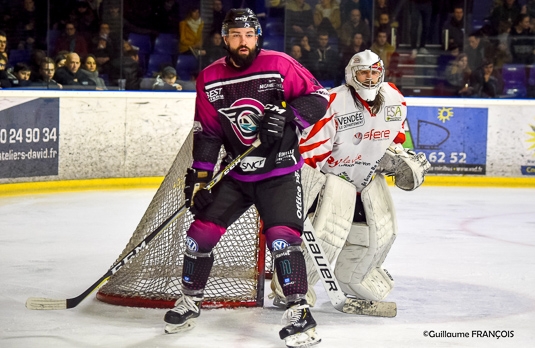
x=445 y=114
x=532 y=140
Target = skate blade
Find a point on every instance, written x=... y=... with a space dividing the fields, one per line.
x=172 y=328
x=305 y=339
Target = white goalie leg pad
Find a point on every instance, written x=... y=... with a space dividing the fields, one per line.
x=407 y=167
x=332 y=220
x=358 y=267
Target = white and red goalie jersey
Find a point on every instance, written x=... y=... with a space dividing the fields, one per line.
x=349 y=140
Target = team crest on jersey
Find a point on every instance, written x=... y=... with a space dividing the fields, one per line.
x=393 y=113
x=191 y=244
x=244 y=116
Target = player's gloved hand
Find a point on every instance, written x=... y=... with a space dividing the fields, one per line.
x=275 y=117
x=197 y=198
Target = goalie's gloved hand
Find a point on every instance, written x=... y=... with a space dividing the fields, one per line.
x=196 y=197
x=275 y=117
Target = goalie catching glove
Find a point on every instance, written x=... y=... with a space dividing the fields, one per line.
x=407 y=167
x=195 y=182
x=275 y=118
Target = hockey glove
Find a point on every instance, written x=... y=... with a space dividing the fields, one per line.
x=275 y=118
x=195 y=182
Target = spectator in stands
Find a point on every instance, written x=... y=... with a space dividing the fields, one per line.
x=167 y=16
x=522 y=41
x=71 y=41
x=420 y=12
x=60 y=59
x=127 y=68
x=36 y=57
x=46 y=73
x=455 y=28
x=476 y=50
x=166 y=80
x=458 y=76
x=218 y=15
x=214 y=50
x=346 y=6
x=22 y=73
x=102 y=47
x=327 y=17
x=486 y=81
x=85 y=20
x=446 y=58
x=357 y=45
x=30 y=26
x=383 y=48
x=5 y=82
x=354 y=25
x=70 y=75
x=385 y=24
x=506 y=13
x=191 y=33
x=306 y=52
x=299 y=20
x=382 y=6
x=111 y=14
x=502 y=53
x=90 y=68
x=325 y=61
x=3 y=43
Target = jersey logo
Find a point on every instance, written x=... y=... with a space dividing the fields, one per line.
x=393 y=113
x=191 y=244
x=252 y=163
x=279 y=244
x=244 y=116
x=349 y=121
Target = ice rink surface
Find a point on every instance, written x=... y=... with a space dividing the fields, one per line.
x=463 y=262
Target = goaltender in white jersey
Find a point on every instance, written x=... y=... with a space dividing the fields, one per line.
x=357 y=142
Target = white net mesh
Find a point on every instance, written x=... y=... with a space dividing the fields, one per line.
x=154 y=274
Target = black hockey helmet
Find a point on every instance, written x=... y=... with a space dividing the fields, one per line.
x=241 y=18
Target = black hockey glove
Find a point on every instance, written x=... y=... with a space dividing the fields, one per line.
x=195 y=182
x=275 y=118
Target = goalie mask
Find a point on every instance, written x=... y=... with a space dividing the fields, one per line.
x=371 y=72
x=241 y=18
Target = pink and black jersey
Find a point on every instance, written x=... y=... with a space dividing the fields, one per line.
x=230 y=105
x=349 y=141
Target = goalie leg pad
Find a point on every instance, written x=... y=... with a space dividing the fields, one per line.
x=195 y=272
x=312 y=181
x=332 y=220
x=291 y=272
x=358 y=266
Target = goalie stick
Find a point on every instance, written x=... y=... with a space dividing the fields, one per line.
x=51 y=304
x=338 y=299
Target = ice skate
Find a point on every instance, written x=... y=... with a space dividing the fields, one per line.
x=180 y=318
x=301 y=331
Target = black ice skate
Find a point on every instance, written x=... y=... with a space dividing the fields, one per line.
x=301 y=331
x=180 y=318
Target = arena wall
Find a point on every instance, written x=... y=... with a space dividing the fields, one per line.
x=48 y=136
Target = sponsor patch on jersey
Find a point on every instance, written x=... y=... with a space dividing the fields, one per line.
x=252 y=163
x=191 y=244
x=215 y=94
x=349 y=121
x=271 y=84
x=373 y=134
x=393 y=113
x=244 y=117
x=279 y=244
x=286 y=156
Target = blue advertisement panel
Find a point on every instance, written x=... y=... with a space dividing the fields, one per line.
x=454 y=139
x=29 y=138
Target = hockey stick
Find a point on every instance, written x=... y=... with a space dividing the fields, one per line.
x=336 y=296
x=49 y=304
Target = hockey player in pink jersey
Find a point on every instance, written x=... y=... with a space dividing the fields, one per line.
x=248 y=94
x=355 y=144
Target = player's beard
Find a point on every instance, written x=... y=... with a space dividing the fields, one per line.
x=243 y=62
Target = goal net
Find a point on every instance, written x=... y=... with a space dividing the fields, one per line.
x=153 y=278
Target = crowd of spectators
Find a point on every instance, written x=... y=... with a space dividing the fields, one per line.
x=84 y=44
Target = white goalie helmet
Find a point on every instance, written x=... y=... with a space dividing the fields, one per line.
x=365 y=60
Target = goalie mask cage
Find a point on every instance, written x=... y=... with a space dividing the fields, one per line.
x=152 y=279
